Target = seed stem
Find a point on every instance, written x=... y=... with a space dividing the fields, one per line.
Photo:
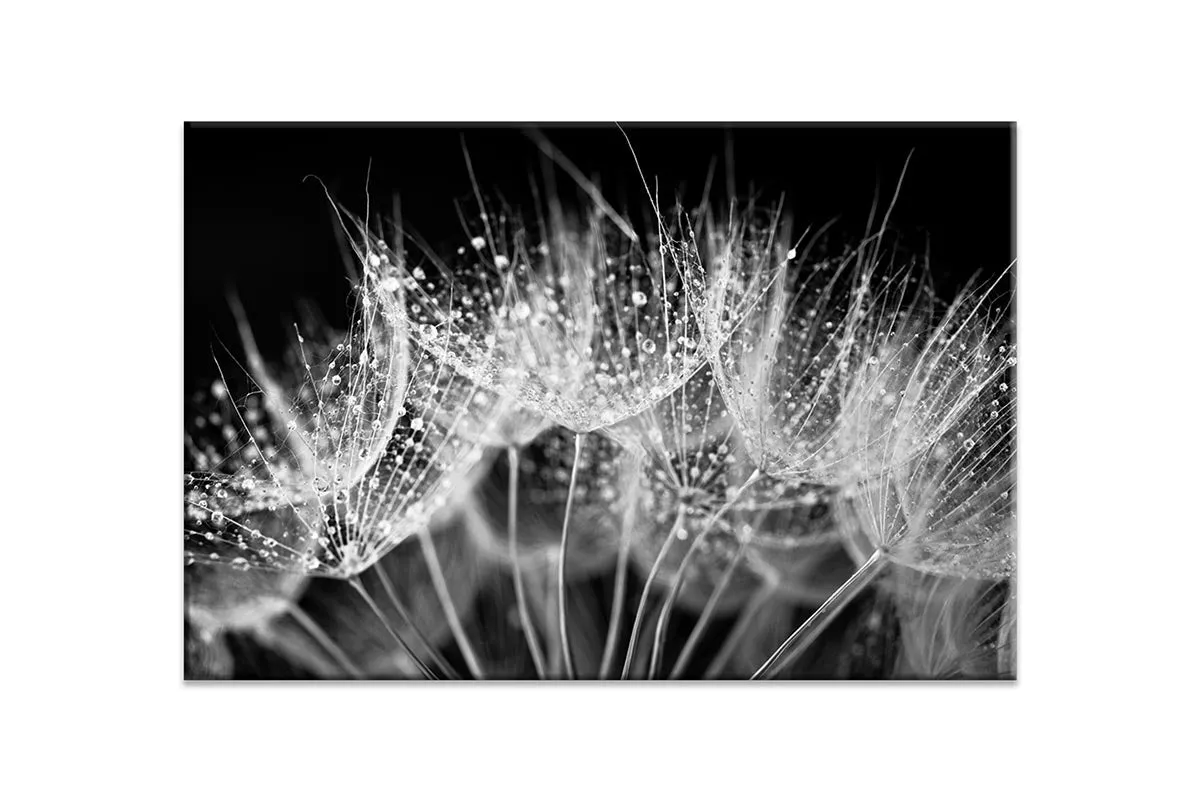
x=407 y=618
x=644 y=600
x=618 y=609
x=664 y=617
x=734 y=639
x=531 y=638
x=710 y=608
x=322 y=638
x=562 y=566
x=357 y=584
x=447 y=602
x=807 y=633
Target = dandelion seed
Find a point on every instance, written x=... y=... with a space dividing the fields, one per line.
x=942 y=511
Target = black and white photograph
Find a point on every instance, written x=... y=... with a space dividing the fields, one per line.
x=604 y=402
x=599 y=405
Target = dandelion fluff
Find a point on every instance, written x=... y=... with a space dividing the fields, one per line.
x=952 y=628
x=950 y=508
x=372 y=483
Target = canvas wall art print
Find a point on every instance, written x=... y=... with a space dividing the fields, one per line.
x=616 y=402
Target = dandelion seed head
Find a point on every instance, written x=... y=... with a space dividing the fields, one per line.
x=784 y=339
x=358 y=451
x=947 y=509
x=578 y=323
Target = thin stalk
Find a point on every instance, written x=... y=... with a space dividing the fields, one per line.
x=664 y=614
x=322 y=638
x=710 y=608
x=549 y=617
x=618 y=609
x=734 y=639
x=640 y=615
x=531 y=639
x=805 y=634
x=356 y=583
x=562 y=566
x=407 y=618
x=664 y=617
x=443 y=594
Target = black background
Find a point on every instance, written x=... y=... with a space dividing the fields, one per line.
x=254 y=224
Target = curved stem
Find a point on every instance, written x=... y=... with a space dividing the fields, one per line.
x=744 y=622
x=356 y=583
x=805 y=634
x=531 y=638
x=710 y=608
x=640 y=615
x=447 y=602
x=322 y=638
x=562 y=566
x=618 y=609
x=664 y=617
x=407 y=618
x=549 y=616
